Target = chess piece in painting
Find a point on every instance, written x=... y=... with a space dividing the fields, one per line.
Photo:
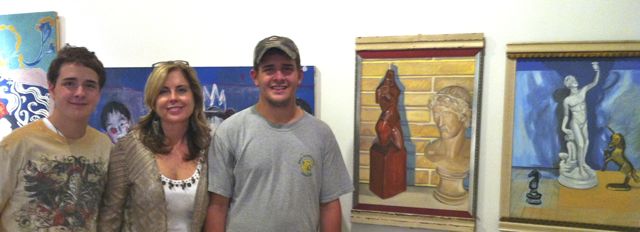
x=574 y=171
x=533 y=196
x=388 y=155
x=615 y=152
x=451 y=110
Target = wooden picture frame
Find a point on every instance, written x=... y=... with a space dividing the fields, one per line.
x=563 y=103
x=422 y=187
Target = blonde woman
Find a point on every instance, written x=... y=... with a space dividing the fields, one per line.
x=157 y=173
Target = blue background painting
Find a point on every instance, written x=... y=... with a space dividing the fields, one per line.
x=126 y=85
x=539 y=92
x=27 y=40
x=27 y=46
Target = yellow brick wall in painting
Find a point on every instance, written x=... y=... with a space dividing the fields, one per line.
x=420 y=79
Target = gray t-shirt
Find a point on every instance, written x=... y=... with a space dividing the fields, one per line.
x=276 y=175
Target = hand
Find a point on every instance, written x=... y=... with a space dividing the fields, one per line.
x=569 y=136
x=596 y=66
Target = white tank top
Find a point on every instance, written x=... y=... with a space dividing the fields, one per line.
x=180 y=196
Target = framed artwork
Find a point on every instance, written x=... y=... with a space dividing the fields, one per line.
x=571 y=141
x=417 y=113
x=226 y=90
x=28 y=44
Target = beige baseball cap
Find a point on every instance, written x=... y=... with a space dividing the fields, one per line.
x=280 y=42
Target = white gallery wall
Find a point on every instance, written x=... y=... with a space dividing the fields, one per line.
x=224 y=33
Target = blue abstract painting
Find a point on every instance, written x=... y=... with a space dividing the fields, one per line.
x=226 y=90
x=27 y=46
x=611 y=106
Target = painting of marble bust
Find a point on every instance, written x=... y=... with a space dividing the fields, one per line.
x=451 y=109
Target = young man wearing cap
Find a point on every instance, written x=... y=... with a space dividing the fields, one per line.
x=52 y=171
x=274 y=167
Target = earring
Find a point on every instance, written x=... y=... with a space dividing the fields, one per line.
x=194 y=128
x=156 y=127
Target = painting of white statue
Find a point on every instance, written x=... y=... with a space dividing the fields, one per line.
x=574 y=142
x=574 y=171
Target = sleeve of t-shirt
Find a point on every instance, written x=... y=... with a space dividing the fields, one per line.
x=221 y=163
x=335 y=177
x=9 y=162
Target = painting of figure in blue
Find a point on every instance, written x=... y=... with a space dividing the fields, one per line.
x=27 y=47
x=226 y=90
x=574 y=172
x=566 y=111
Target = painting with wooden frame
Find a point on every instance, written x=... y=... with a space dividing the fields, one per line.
x=417 y=113
x=571 y=141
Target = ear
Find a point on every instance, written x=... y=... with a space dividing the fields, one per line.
x=466 y=121
x=300 y=76
x=254 y=76
x=51 y=88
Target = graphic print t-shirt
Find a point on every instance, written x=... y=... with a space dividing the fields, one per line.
x=50 y=183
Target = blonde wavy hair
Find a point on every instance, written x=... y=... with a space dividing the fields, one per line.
x=150 y=128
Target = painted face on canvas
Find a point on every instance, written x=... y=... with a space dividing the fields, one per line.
x=570 y=82
x=76 y=93
x=175 y=102
x=448 y=122
x=117 y=125
x=277 y=78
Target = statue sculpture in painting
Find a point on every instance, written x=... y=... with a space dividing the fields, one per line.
x=533 y=196
x=615 y=152
x=451 y=112
x=574 y=171
x=388 y=155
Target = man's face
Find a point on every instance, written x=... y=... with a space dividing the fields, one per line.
x=570 y=82
x=76 y=93
x=448 y=122
x=277 y=79
x=117 y=125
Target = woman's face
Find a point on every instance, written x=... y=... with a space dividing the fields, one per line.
x=117 y=125
x=175 y=103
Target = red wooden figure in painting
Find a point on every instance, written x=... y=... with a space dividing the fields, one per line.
x=388 y=155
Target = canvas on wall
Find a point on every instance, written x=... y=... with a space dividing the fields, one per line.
x=572 y=140
x=416 y=130
x=226 y=90
x=28 y=44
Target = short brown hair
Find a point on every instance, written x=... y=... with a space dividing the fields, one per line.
x=77 y=55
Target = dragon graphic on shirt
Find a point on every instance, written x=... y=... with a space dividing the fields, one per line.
x=63 y=193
